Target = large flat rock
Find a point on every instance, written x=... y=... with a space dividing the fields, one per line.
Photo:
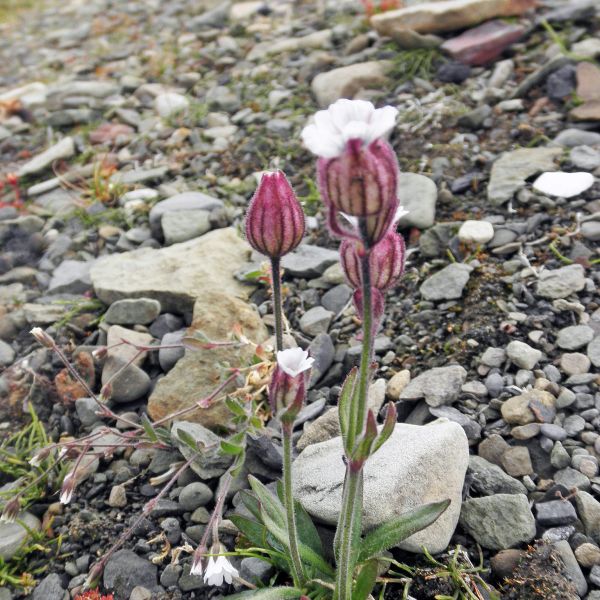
x=417 y=465
x=175 y=276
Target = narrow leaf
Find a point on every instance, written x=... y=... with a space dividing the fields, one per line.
x=149 y=428
x=269 y=503
x=393 y=532
x=255 y=532
x=229 y=448
x=187 y=439
x=365 y=582
x=387 y=429
x=250 y=501
x=276 y=593
x=235 y=407
x=345 y=402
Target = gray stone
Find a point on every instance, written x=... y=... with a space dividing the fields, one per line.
x=315 y=321
x=12 y=535
x=574 y=363
x=210 y=462
x=447 y=284
x=168 y=357
x=186 y=202
x=131 y=383
x=86 y=411
x=590 y=230
x=309 y=261
x=323 y=351
x=50 y=588
x=395 y=471
x=574 y=337
x=562 y=282
x=256 y=570
x=555 y=512
x=512 y=169
x=517 y=461
x=498 y=522
x=135 y=311
x=585 y=158
x=493 y=357
x=188 y=582
x=571 y=478
x=571 y=138
x=71 y=277
x=593 y=351
x=437 y=386
x=7 y=354
x=418 y=195
x=345 y=82
x=125 y=570
x=337 y=298
x=588 y=509
x=183 y=225
x=194 y=495
x=489 y=479
x=572 y=569
x=177 y=275
x=523 y=355
x=61 y=150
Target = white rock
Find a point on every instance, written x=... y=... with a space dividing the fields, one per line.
x=417 y=465
x=563 y=185
x=170 y=104
x=479 y=232
x=63 y=149
x=31 y=94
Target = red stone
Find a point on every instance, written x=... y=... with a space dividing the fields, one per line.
x=109 y=132
x=484 y=43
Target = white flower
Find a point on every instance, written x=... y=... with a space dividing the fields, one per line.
x=346 y=120
x=294 y=361
x=67 y=489
x=219 y=570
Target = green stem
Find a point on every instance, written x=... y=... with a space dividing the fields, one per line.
x=288 y=500
x=277 y=305
x=286 y=434
x=352 y=501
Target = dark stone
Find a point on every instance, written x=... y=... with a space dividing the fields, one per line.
x=453 y=72
x=561 y=83
x=126 y=570
x=555 y=512
x=50 y=588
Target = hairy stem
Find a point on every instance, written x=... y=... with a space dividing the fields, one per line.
x=277 y=305
x=352 y=500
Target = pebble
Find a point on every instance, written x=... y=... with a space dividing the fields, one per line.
x=447 y=284
x=194 y=495
x=316 y=321
x=523 y=355
x=478 y=232
x=574 y=337
x=135 y=311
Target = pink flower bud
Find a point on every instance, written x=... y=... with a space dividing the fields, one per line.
x=288 y=383
x=274 y=220
x=67 y=488
x=362 y=183
x=11 y=510
x=386 y=261
x=42 y=337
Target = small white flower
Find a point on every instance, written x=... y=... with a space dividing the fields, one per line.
x=67 y=489
x=347 y=120
x=294 y=361
x=219 y=570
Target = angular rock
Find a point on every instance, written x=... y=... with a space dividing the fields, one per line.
x=49 y=588
x=71 y=277
x=177 y=275
x=571 y=568
x=588 y=509
x=12 y=535
x=61 y=150
x=510 y=171
x=447 y=284
x=345 y=82
x=447 y=15
x=197 y=374
x=315 y=321
x=562 y=282
x=125 y=570
x=498 y=522
x=437 y=386
x=488 y=479
x=528 y=407
x=396 y=471
x=309 y=261
x=484 y=43
x=183 y=225
x=523 y=355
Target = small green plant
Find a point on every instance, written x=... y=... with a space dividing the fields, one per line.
x=409 y=64
x=77 y=307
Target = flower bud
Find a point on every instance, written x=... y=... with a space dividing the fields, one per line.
x=67 y=488
x=386 y=261
x=362 y=182
x=274 y=220
x=11 y=510
x=288 y=383
x=42 y=337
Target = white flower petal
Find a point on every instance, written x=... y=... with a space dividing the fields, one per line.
x=294 y=361
x=400 y=212
x=345 y=120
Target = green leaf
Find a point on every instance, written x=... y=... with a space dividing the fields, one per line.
x=229 y=448
x=255 y=532
x=269 y=503
x=235 y=407
x=345 y=402
x=307 y=532
x=357 y=526
x=365 y=582
x=185 y=438
x=276 y=593
x=149 y=428
x=393 y=532
x=251 y=503
x=387 y=429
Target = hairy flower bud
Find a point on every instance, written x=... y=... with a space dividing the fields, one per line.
x=386 y=261
x=361 y=183
x=288 y=383
x=68 y=487
x=11 y=510
x=274 y=220
x=42 y=337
